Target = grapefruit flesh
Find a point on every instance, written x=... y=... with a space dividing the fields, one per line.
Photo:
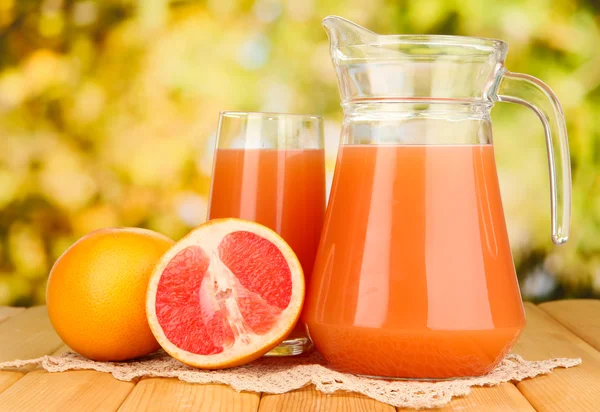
x=226 y=294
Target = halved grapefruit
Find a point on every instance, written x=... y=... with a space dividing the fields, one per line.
x=224 y=295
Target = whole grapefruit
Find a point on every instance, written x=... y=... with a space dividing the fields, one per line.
x=96 y=293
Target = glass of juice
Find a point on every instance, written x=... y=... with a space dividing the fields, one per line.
x=270 y=168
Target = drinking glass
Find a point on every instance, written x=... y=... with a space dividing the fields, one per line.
x=270 y=168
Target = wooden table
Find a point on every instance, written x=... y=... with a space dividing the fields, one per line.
x=555 y=329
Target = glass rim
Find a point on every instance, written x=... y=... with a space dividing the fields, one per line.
x=274 y=115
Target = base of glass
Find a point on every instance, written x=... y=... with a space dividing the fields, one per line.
x=297 y=343
x=292 y=347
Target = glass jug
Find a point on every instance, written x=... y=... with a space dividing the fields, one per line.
x=414 y=277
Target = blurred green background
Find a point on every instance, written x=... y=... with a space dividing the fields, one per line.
x=108 y=112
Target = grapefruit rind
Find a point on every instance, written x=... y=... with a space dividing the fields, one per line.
x=251 y=346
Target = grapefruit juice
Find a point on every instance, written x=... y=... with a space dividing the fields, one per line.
x=414 y=277
x=283 y=189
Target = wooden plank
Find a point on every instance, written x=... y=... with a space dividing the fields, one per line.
x=8 y=311
x=504 y=397
x=7 y=378
x=309 y=399
x=162 y=394
x=27 y=335
x=61 y=350
x=65 y=391
x=563 y=389
x=582 y=317
x=30 y=335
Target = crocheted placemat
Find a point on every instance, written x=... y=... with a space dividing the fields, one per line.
x=280 y=375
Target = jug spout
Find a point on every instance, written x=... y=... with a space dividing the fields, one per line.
x=372 y=66
x=343 y=32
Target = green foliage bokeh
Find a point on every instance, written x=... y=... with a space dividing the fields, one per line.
x=108 y=112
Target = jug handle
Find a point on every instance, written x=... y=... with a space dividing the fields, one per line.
x=533 y=93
